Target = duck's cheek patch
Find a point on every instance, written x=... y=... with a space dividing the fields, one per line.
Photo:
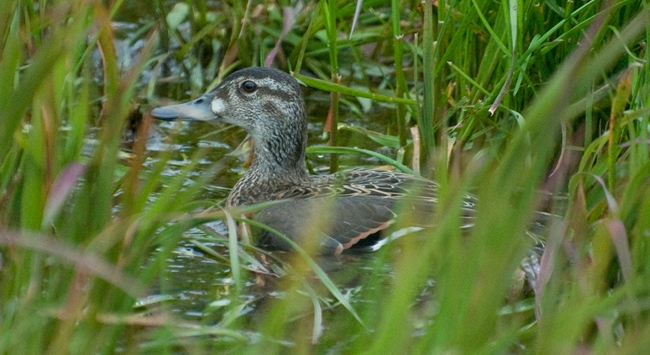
x=218 y=106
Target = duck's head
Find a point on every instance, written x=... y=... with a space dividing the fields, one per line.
x=263 y=101
x=268 y=104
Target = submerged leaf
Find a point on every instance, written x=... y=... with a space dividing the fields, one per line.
x=177 y=15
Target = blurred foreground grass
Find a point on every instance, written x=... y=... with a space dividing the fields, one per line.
x=504 y=99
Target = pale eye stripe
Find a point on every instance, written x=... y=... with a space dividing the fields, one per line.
x=273 y=85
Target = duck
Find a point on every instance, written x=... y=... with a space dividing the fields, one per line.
x=347 y=211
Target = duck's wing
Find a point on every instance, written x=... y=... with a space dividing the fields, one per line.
x=326 y=225
x=350 y=209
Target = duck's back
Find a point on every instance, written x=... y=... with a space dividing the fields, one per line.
x=347 y=210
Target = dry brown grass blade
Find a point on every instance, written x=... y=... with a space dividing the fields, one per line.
x=84 y=261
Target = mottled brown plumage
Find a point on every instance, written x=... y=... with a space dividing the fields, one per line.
x=331 y=212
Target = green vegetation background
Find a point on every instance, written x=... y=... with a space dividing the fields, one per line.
x=509 y=98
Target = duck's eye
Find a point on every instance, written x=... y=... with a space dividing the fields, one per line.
x=249 y=86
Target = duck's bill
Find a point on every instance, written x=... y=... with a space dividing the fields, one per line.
x=195 y=110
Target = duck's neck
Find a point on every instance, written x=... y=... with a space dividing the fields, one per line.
x=278 y=165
